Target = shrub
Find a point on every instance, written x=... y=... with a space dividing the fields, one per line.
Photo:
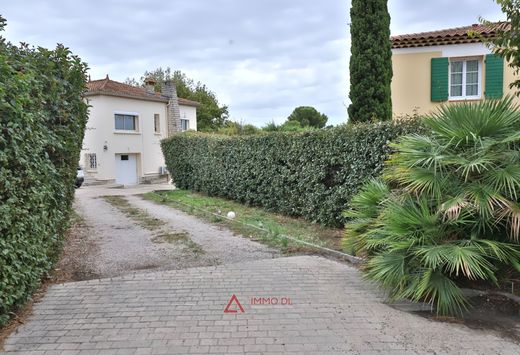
x=311 y=174
x=42 y=118
x=447 y=212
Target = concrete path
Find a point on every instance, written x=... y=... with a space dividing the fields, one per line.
x=331 y=311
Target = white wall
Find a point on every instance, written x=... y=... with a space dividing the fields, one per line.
x=101 y=131
x=449 y=50
x=189 y=113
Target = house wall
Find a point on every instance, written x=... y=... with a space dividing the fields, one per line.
x=101 y=131
x=189 y=113
x=411 y=83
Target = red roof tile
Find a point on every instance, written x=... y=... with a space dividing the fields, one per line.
x=448 y=36
x=114 y=88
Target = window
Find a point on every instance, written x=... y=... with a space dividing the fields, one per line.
x=124 y=157
x=126 y=122
x=92 y=161
x=465 y=79
x=157 y=123
x=185 y=125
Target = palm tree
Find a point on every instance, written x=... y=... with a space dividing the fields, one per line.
x=447 y=208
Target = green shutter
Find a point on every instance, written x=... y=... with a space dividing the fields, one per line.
x=439 y=79
x=494 y=76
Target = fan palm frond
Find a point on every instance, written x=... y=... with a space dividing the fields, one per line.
x=453 y=211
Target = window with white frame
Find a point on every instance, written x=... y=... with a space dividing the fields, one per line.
x=465 y=79
x=157 y=123
x=125 y=122
x=92 y=161
x=185 y=125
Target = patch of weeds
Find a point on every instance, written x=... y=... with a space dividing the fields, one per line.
x=213 y=218
x=247 y=218
x=138 y=215
x=171 y=237
x=194 y=247
x=181 y=238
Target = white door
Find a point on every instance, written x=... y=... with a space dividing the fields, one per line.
x=126 y=169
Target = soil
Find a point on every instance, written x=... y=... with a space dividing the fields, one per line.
x=490 y=312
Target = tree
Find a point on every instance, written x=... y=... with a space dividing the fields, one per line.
x=210 y=114
x=271 y=127
x=370 y=61
x=308 y=117
x=447 y=211
x=231 y=128
x=507 y=39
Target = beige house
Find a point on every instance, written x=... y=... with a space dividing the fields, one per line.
x=452 y=65
x=125 y=127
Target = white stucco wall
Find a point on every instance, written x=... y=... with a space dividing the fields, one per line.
x=145 y=142
x=101 y=131
x=189 y=113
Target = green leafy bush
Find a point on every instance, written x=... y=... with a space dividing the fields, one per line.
x=447 y=212
x=43 y=118
x=311 y=174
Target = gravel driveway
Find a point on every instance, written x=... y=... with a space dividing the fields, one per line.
x=124 y=246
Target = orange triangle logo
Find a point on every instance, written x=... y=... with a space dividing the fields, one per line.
x=235 y=300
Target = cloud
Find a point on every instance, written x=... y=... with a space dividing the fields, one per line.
x=262 y=57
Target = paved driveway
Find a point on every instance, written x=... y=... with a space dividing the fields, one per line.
x=331 y=311
x=300 y=305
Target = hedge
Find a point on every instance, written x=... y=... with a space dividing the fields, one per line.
x=43 y=118
x=311 y=174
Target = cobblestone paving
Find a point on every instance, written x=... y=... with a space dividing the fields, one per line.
x=332 y=311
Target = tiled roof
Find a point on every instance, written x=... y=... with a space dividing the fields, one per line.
x=186 y=102
x=467 y=34
x=114 y=88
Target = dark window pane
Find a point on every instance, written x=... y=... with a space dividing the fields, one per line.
x=456 y=90
x=472 y=66
x=130 y=123
x=120 y=122
x=456 y=67
x=471 y=90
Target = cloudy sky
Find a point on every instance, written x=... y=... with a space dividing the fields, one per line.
x=262 y=57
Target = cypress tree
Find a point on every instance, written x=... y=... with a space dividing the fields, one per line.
x=370 y=61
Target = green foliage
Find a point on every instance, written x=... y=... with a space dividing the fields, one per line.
x=507 y=39
x=308 y=117
x=271 y=127
x=370 y=62
x=231 y=128
x=311 y=174
x=43 y=117
x=210 y=114
x=448 y=211
x=287 y=126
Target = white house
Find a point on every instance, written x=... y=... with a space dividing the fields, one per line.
x=125 y=127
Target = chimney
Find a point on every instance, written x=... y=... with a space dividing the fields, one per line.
x=173 y=114
x=149 y=83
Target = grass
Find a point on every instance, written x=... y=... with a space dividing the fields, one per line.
x=276 y=226
x=140 y=216
x=178 y=237
x=162 y=235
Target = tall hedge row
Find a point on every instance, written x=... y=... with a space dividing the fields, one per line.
x=312 y=174
x=43 y=118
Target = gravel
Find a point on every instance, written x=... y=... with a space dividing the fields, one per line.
x=124 y=247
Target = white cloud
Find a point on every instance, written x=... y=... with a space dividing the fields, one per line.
x=262 y=57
